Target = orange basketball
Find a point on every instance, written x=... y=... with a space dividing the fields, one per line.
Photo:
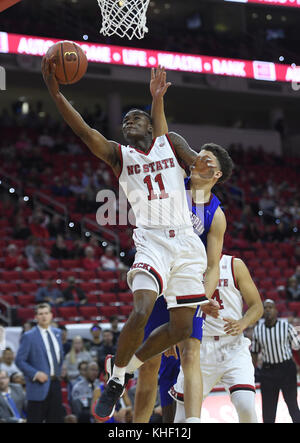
x=71 y=62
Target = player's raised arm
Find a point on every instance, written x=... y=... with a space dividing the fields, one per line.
x=251 y=296
x=215 y=239
x=158 y=88
x=101 y=147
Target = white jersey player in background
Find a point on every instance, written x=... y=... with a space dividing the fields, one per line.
x=224 y=355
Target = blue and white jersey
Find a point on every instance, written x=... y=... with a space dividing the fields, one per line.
x=201 y=214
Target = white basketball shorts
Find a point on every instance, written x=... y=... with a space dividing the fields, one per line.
x=176 y=260
x=225 y=361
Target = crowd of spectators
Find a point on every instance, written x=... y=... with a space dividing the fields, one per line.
x=82 y=377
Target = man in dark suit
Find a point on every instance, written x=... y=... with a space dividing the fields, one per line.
x=12 y=401
x=40 y=358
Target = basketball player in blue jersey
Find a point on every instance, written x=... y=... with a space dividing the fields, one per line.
x=170 y=258
x=209 y=224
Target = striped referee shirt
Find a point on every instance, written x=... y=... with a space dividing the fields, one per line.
x=275 y=343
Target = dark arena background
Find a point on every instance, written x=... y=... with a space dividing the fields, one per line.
x=235 y=73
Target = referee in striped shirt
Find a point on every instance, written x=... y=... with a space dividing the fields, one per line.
x=275 y=338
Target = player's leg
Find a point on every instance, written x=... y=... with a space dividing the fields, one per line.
x=180 y=413
x=130 y=338
x=244 y=403
x=132 y=333
x=238 y=375
x=146 y=390
x=193 y=392
x=168 y=373
x=179 y=328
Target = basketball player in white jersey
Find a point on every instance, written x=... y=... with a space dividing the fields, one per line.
x=224 y=354
x=170 y=257
x=210 y=227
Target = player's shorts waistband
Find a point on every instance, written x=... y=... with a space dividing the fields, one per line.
x=170 y=231
x=223 y=338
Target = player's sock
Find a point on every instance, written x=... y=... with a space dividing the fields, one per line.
x=193 y=420
x=118 y=374
x=134 y=364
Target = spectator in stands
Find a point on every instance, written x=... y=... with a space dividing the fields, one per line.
x=90 y=263
x=77 y=250
x=39 y=260
x=108 y=261
x=114 y=327
x=56 y=226
x=8 y=362
x=12 y=400
x=59 y=249
x=77 y=354
x=82 y=394
x=21 y=230
x=27 y=326
x=38 y=225
x=73 y=294
x=49 y=293
x=71 y=418
x=19 y=379
x=293 y=289
x=94 y=344
x=13 y=260
x=297 y=275
x=67 y=343
x=75 y=187
x=107 y=347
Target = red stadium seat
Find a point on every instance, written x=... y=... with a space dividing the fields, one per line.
x=108 y=311
x=107 y=286
x=10 y=299
x=25 y=314
x=54 y=264
x=249 y=255
x=86 y=275
x=106 y=275
x=89 y=312
x=266 y=284
x=88 y=286
x=31 y=275
x=108 y=298
x=282 y=263
x=92 y=298
x=259 y=273
x=28 y=288
x=70 y=264
x=275 y=273
x=67 y=312
x=8 y=288
x=10 y=276
x=26 y=300
x=64 y=275
x=52 y=275
x=294 y=306
x=125 y=310
x=125 y=297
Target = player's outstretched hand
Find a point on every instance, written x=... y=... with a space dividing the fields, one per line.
x=204 y=166
x=212 y=308
x=48 y=71
x=158 y=83
x=232 y=327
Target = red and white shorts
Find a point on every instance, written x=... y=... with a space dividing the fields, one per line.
x=226 y=361
x=176 y=260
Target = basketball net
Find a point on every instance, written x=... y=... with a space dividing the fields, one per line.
x=124 y=17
